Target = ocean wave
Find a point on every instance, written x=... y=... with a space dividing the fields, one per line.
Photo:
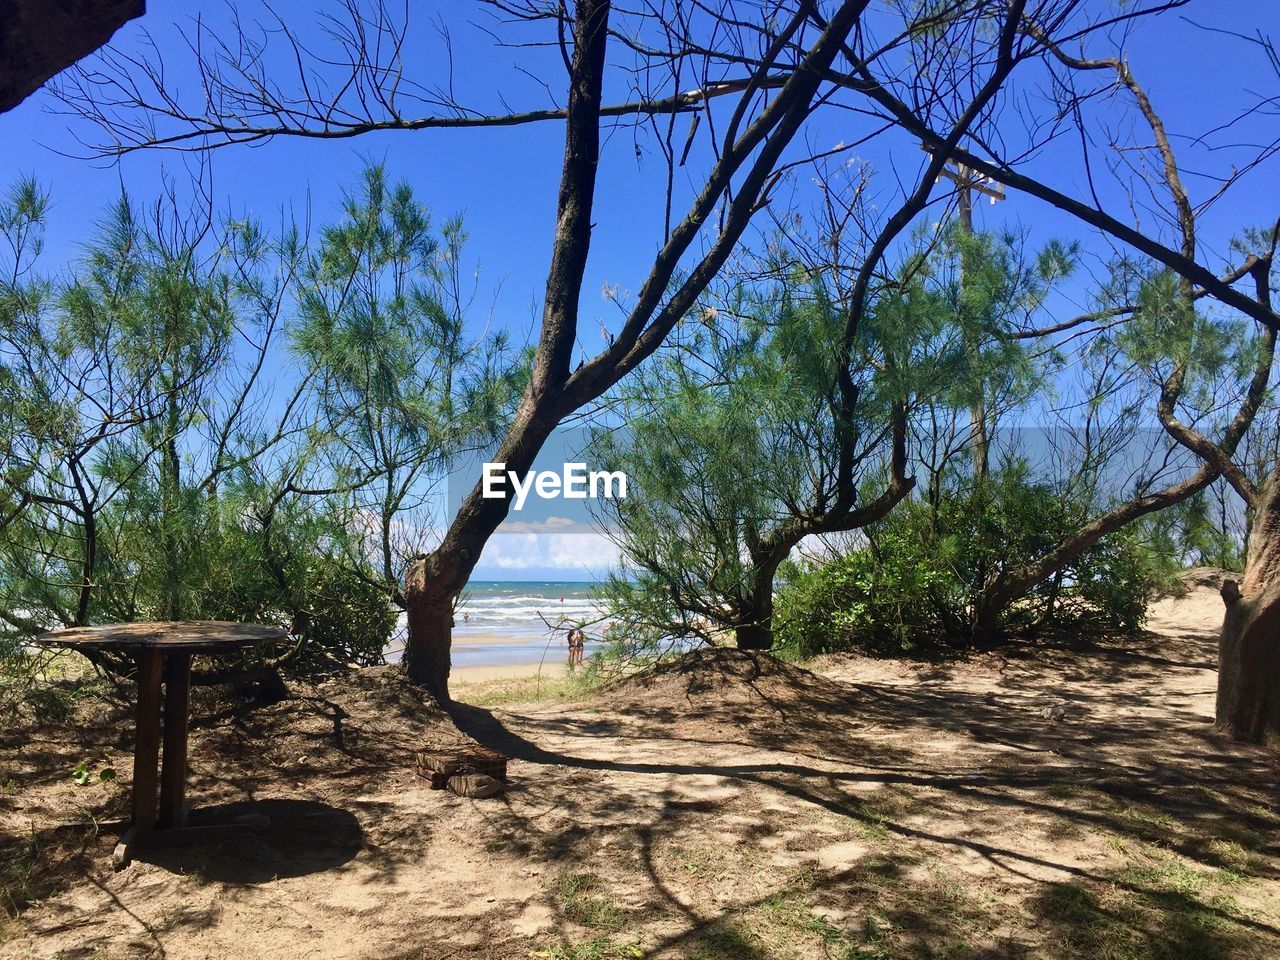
x=525 y=600
x=528 y=605
x=523 y=620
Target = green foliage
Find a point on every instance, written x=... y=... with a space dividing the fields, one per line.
x=211 y=421
x=736 y=437
x=1204 y=530
x=398 y=388
x=917 y=584
x=83 y=774
x=348 y=619
x=854 y=601
x=988 y=285
x=735 y=429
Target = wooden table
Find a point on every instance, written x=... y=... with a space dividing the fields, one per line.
x=163 y=653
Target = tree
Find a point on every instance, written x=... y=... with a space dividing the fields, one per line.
x=170 y=454
x=129 y=414
x=1248 y=681
x=737 y=445
x=775 y=65
x=397 y=390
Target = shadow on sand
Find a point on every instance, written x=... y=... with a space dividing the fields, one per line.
x=295 y=838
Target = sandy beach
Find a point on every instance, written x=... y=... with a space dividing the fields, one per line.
x=482 y=673
x=461 y=639
x=483 y=657
x=551 y=662
x=727 y=807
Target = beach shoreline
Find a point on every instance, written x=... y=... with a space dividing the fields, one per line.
x=483 y=657
x=513 y=625
x=464 y=676
x=485 y=639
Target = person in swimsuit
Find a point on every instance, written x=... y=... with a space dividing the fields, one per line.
x=577 y=643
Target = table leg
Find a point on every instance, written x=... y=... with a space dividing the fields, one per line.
x=173 y=777
x=147 y=746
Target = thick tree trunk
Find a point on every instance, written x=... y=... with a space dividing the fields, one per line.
x=754 y=631
x=1249 y=648
x=985 y=628
x=435 y=580
x=1249 y=666
x=426 y=653
x=38 y=39
x=754 y=636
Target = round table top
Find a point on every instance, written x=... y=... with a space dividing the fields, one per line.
x=190 y=636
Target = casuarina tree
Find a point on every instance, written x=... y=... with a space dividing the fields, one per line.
x=726 y=92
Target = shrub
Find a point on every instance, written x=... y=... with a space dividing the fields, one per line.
x=349 y=620
x=917 y=582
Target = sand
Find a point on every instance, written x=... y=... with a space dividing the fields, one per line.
x=550 y=658
x=726 y=808
x=485 y=639
x=461 y=677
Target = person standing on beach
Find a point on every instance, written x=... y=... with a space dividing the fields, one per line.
x=577 y=643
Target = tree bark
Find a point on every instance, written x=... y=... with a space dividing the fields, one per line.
x=1249 y=667
x=754 y=636
x=754 y=630
x=426 y=654
x=984 y=629
x=39 y=39
x=1249 y=649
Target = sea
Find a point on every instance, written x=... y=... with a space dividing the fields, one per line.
x=522 y=621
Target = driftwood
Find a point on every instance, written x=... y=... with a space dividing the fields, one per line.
x=462 y=766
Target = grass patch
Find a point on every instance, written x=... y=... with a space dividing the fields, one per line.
x=585 y=899
x=793 y=912
x=871 y=827
x=532 y=689
x=705 y=863
x=1165 y=874
x=727 y=939
x=34 y=866
x=1161 y=922
x=19 y=875
x=597 y=948
x=792 y=923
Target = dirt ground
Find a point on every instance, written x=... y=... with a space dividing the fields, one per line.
x=1044 y=802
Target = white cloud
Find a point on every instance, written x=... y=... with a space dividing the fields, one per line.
x=575 y=555
x=549 y=525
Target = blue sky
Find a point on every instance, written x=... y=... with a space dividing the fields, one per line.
x=504 y=180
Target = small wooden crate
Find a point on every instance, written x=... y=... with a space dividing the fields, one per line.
x=437 y=762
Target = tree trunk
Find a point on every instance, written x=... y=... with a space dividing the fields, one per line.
x=426 y=654
x=1249 y=667
x=436 y=579
x=985 y=626
x=754 y=630
x=1249 y=648
x=39 y=39
x=754 y=636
